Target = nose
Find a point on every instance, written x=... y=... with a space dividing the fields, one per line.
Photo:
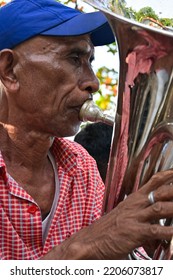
x=89 y=82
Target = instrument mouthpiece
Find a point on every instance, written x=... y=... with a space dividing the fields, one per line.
x=91 y=112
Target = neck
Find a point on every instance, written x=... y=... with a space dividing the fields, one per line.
x=26 y=161
x=28 y=149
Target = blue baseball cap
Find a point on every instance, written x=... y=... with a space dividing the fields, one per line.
x=21 y=20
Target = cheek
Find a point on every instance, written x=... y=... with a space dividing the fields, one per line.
x=60 y=83
x=49 y=91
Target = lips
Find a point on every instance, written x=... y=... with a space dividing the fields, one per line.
x=78 y=107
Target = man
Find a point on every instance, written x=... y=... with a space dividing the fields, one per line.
x=50 y=190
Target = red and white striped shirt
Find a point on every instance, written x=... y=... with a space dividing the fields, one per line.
x=79 y=204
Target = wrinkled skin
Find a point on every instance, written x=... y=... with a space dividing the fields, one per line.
x=56 y=78
x=45 y=81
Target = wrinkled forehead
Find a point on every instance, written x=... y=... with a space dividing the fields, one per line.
x=40 y=42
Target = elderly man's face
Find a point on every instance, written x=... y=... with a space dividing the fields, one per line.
x=55 y=77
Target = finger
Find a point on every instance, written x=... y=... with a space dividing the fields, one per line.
x=156 y=232
x=158 y=179
x=164 y=193
x=156 y=211
x=161 y=232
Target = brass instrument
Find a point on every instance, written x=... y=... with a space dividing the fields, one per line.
x=91 y=112
x=143 y=134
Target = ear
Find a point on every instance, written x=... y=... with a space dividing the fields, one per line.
x=7 y=73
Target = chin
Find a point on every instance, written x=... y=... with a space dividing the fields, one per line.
x=69 y=131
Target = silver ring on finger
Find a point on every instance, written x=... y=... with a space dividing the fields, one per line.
x=151 y=198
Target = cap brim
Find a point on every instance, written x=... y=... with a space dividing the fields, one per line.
x=94 y=23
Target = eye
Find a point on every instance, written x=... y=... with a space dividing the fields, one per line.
x=80 y=57
x=75 y=58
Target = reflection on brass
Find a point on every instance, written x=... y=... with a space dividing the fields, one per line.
x=142 y=143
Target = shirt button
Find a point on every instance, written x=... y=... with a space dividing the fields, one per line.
x=32 y=209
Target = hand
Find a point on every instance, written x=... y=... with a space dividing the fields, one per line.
x=126 y=227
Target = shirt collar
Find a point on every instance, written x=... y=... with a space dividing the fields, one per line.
x=2 y=163
x=66 y=154
x=3 y=169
